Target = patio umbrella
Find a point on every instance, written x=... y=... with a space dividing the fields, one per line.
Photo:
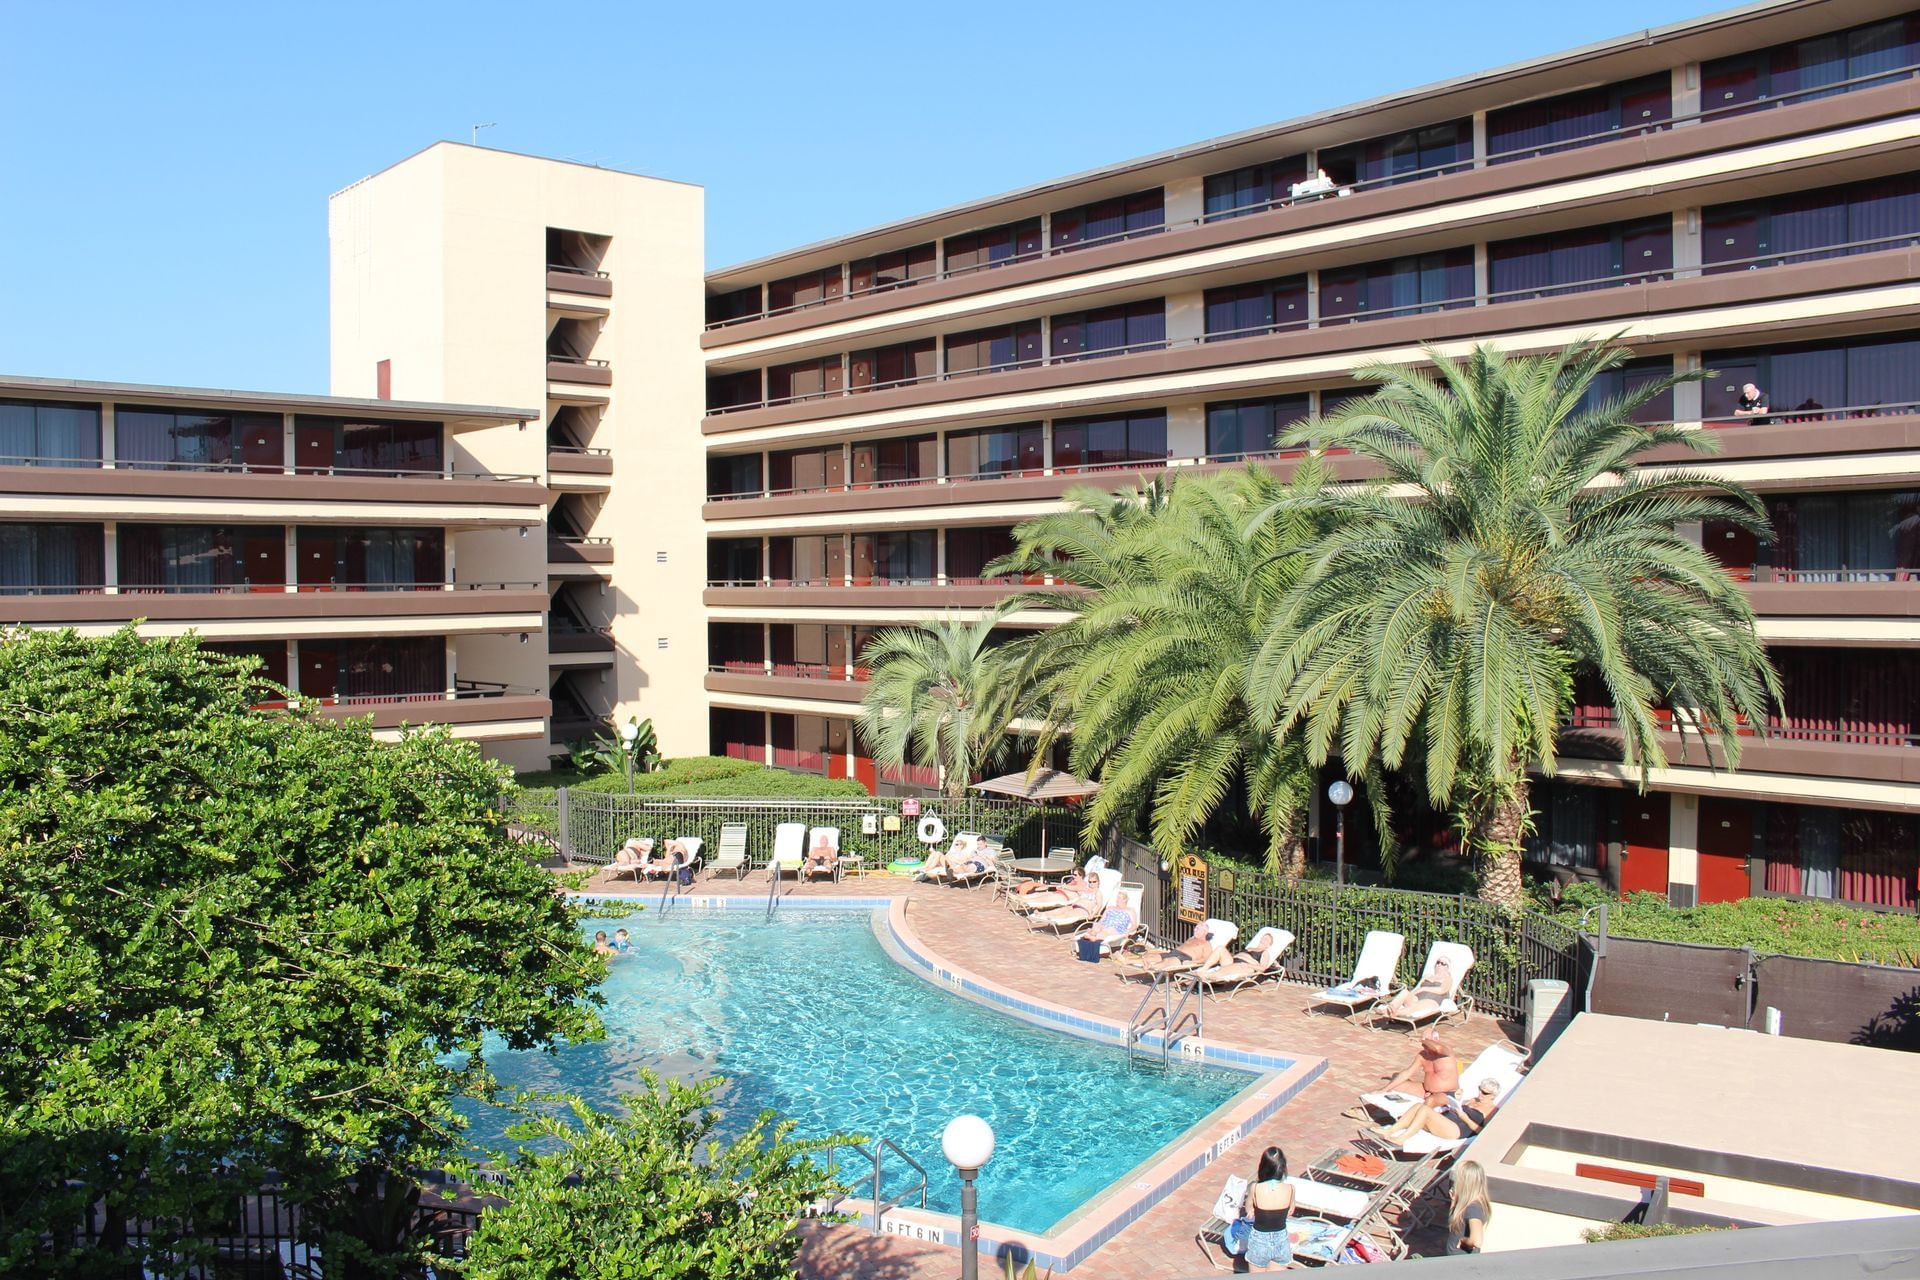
x=1037 y=788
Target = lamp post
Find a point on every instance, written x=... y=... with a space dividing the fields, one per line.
x=1342 y=795
x=628 y=732
x=967 y=1142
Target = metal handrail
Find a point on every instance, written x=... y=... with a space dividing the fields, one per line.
x=1780 y=727
x=1610 y=134
x=150 y=464
x=880 y=1147
x=464 y=691
x=1816 y=252
x=581 y=360
x=245 y=588
x=570 y=269
x=576 y=540
x=589 y=450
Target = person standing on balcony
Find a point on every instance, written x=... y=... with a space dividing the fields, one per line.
x=1752 y=404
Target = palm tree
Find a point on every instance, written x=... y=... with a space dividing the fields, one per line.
x=937 y=698
x=1150 y=671
x=1509 y=546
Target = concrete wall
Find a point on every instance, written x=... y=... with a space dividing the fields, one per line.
x=439 y=265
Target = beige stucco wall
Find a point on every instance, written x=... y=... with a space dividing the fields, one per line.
x=439 y=265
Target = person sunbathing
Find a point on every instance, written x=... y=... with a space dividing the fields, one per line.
x=673 y=857
x=633 y=854
x=1035 y=894
x=1191 y=954
x=973 y=861
x=1427 y=999
x=1450 y=1123
x=1433 y=1075
x=937 y=865
x=1116 y=925
x=822 y=857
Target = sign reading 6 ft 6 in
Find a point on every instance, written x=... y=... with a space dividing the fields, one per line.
x=1191 y=873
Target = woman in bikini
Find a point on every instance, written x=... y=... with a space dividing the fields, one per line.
x=1450 y=1123
x=1428 y=998
x=671 y=858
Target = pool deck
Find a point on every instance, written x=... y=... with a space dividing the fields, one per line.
x=967 y=930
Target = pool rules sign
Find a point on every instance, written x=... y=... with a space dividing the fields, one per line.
x=1191 y=873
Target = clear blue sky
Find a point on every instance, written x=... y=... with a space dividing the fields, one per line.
x=167 y=166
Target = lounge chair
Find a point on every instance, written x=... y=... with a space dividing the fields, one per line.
x=733 y=850
x=789 y=849
x=1127 y=899
x=1260 y=960
x=807 y=869
x=1450 y=1003
x=1502 y=1061
x=1079 y=914
x=1379 y=958
x=972 y=877
x=1167 y=964
x=630 y=859
x=1046 y=899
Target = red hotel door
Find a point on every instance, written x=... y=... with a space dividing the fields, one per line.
x=1726 y=842
x=1645 y=828
x=319 y=670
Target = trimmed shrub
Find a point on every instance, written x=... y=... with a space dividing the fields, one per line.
x=1642 y=1231
x=1771 y=926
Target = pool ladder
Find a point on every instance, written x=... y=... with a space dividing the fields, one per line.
x=1173 y=1019
x=876 y=1151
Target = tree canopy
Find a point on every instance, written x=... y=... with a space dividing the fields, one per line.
x=243 y=942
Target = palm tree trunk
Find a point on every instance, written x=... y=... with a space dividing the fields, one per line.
x=1496 y=833
x=1288 y=856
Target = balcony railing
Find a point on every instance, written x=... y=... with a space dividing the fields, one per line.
x=1337 y=189
x=463 y=691
x=579 y=450
x=246 y=588
x=1768 y=573
x=567 y=268
x=584 y=362
x=1785 y=728
x=856 y=580
x=790 y=670
x=252 y=468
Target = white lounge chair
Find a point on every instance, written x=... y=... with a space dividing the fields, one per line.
x=1128 y=900
x=1449 y=1004
x=732 y=855
x=1220 y=935
x=1503 y=1062
x=789 y=849
x=972 y=877
x=1260 y=960
x=1379 y=959
x=630 y=859
x=1052 y=896
x=689 y=856
x=1076 y=915
x=807 y=869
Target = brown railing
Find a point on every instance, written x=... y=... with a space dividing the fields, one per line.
x=258 y=469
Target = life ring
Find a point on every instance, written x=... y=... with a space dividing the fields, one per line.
x=931 y=829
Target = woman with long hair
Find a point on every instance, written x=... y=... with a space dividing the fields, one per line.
x=1269 y=1201
x=1467 y=1225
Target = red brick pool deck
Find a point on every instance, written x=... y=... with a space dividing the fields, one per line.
x=972 y=931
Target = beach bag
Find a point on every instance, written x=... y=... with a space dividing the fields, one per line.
x=1234 y=1238
x=1232 y=1196
x=1089 y=949
x=686 y=876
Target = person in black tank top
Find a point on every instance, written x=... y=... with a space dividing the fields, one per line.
x=1269 y=1202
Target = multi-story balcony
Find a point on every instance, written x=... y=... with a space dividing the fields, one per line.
x=253 y=610
x=576 y=468
x=1603 y=166
x=578 y=379
x=578 y=644
x=802 y=680
x=566 y=279
x=579 y=557
x=475 y=709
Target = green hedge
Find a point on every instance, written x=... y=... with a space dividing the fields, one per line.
x=1642 y=1231
x=674 y=774
x=1771 y=926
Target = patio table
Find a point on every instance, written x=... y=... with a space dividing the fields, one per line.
x=1049 y=865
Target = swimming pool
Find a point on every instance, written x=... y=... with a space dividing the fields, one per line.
x=810 y=1016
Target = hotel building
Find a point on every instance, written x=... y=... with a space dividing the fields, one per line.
x=721 y=485
x=1739 y=193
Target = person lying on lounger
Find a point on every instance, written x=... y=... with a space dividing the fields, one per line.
x=1426 y=999
x=1191 y=954
x=1450 y=1123
x=1433 y=1075
x=1080 y=879
x=1117 y=924
x=937 y=865
x=675 y=855
x=822 y=857
x=972 y=861
x=633 y=854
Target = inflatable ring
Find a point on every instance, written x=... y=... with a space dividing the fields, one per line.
x=932 y=830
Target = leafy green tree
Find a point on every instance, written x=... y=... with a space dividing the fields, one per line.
x=244 y=942
x=938 y=698
x=1150 y=672
x=651 y=1194
x=1509 y=545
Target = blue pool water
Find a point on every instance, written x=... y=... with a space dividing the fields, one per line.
x=810 y=1016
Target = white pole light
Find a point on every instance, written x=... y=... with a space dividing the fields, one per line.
x=1340 y=792
x=967 y=1142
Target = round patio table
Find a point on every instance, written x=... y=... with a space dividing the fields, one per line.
x=1050 y=865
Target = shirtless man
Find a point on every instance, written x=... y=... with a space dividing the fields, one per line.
x=1433 y=1074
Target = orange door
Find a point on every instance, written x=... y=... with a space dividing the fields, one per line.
x=1645 y=829
x=1726 y=841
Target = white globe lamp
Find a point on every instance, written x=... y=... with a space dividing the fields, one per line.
x=1341 y=793
x=967 y=1143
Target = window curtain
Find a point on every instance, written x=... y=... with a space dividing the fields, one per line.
x=1783 y=848
x=1819 y=852
x=1820 y=538
x=1801 y=223
x=1519 y=265
x=1807 y=381
x=1879 y=859
x=1884 y=374
x=1882 y=209
x=395 y=667
x=49 y=435
x=1566 y=838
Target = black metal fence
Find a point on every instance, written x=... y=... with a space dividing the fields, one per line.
x=1330 y=923
x=588 y=826
x=256 y=1234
